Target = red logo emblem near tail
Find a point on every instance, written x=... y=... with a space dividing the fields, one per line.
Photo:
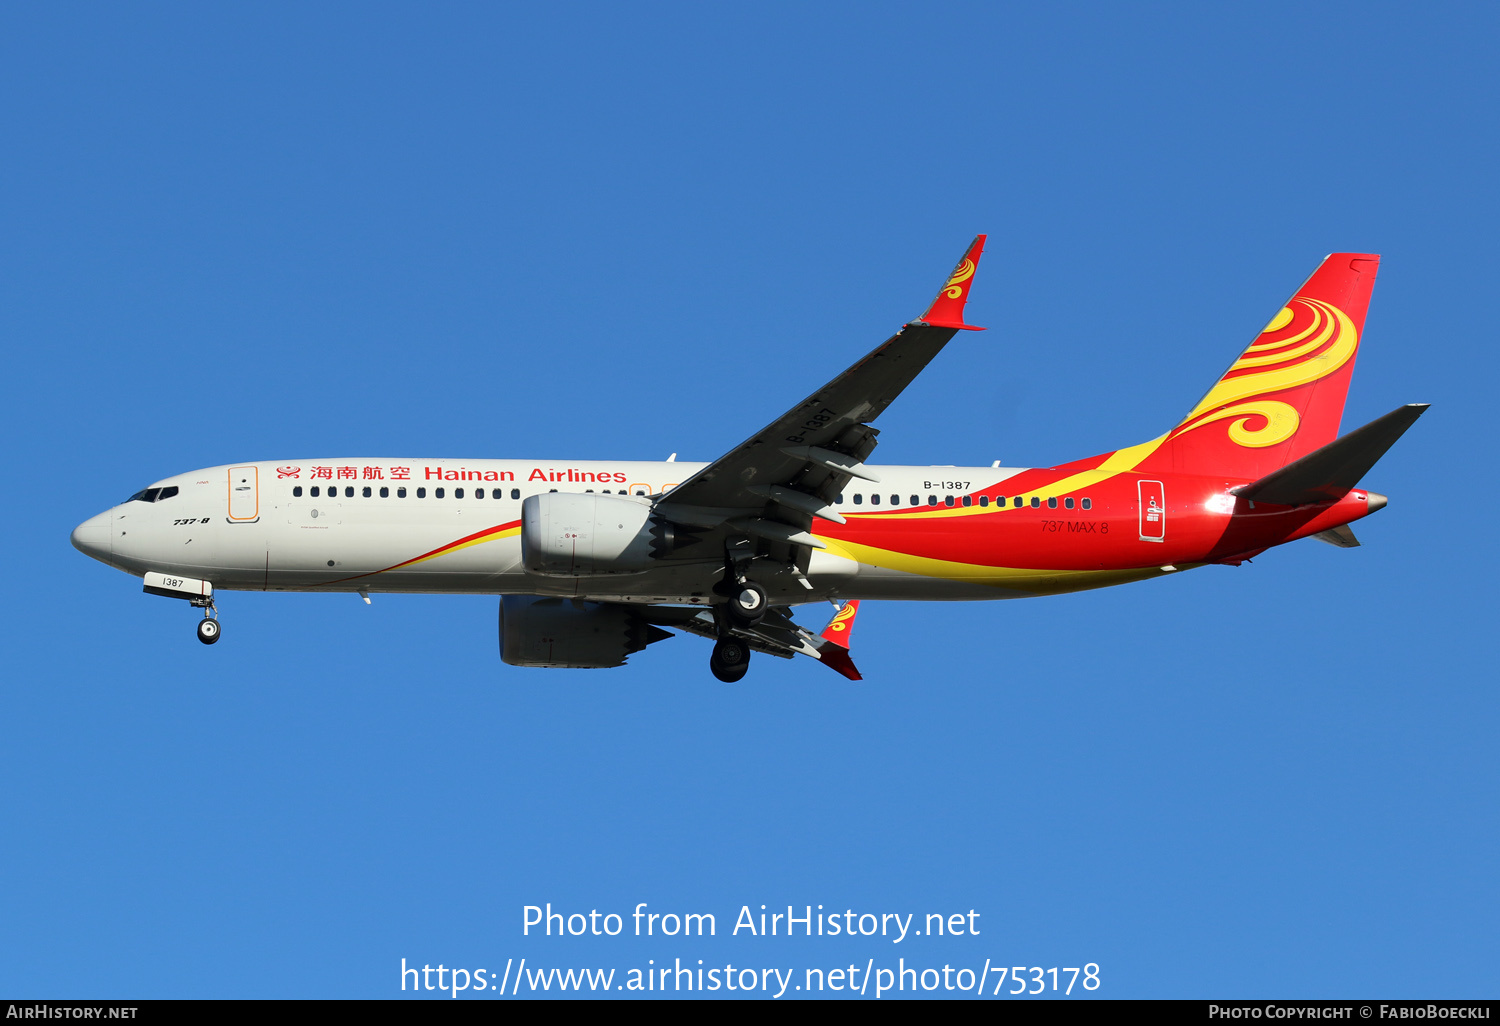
x=1153 y=511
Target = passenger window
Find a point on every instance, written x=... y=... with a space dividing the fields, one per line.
x=932 y=500
x=421 y=493
x=895 y=500
x=1018 y=501
x=515 y=493
x=1068 y=502
x=1088 y=504
x=947 y=500
x=874 y=499
x=984 y=500
x=401 y=492
x=367 y=491
x=479 y=493
x=437 y=493
x=349 y=492
x=968 y=500
x=297 y=492
x=385 y=493
x=840 y=499
x=458 y=493
x=916 y=500
x=858 y=498
x=1036 y=502
x=1052 y=502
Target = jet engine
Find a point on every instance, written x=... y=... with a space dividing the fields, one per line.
x=570 y=633
x=567 y=534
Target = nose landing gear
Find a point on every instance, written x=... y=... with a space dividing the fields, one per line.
x=208 y=627
x=208 y=630
x=199 y=594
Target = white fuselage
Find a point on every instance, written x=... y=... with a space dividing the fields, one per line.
x=452 y=526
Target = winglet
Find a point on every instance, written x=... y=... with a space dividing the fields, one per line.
x=833 y=649
x=842 y=624
x=947 y=310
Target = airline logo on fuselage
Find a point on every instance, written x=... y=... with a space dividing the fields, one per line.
x=390 y=473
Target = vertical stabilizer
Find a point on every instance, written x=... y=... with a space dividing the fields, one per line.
x=1284 y=396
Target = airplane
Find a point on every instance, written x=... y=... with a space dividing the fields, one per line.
x=595 y=560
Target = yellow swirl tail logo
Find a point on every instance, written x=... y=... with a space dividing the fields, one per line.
x=1323 y=342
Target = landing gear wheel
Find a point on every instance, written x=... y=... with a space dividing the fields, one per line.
x=748 y=603
x=730 y=661
x=208 y=630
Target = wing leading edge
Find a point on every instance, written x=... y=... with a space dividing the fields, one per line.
x=774 y=483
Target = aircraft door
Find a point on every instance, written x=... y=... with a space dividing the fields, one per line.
x=244 y=495
x=1153 y=510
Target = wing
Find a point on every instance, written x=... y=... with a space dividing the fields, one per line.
x=773 y=484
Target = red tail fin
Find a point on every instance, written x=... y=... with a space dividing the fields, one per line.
x=1284 y=396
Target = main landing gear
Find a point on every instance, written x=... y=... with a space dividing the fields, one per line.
x=747 y=600
x=748 y=603
x=745 y=603
x=208 y=627
x=730 y=660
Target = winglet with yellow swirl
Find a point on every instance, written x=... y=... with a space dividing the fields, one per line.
x=833 y=644
x=947 y=310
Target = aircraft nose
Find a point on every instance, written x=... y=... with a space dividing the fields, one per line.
x=93 y=537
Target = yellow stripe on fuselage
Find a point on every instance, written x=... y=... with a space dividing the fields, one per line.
x=1036 y=582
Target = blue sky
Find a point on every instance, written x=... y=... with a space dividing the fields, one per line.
x=267 y=232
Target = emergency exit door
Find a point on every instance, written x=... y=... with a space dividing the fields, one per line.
x=244 y=494
x=1153 y=510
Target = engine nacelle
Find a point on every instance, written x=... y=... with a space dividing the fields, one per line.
x=559 y=632
x=567 y=534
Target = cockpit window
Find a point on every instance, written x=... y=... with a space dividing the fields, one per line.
x=145 y=495
x=167 y=493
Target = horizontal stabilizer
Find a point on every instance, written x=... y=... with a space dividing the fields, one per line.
x=1340 y=536
x=1327 y=474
